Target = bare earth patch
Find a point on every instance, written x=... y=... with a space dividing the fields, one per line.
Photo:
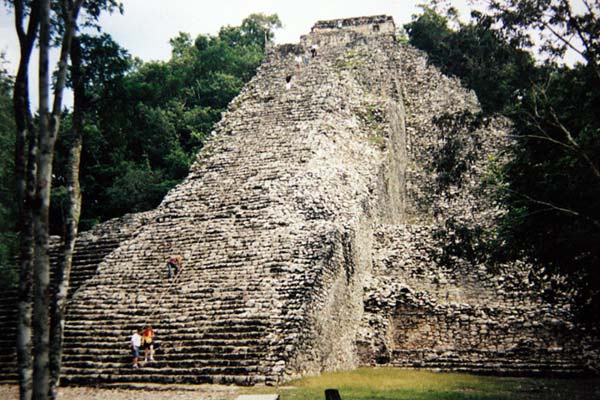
x=160 y=392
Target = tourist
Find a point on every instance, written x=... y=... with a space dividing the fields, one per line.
x=298 y=61
x=148 y=343
x=313 y=50
x=288 y=81
x=136 y=342
x=174 y=263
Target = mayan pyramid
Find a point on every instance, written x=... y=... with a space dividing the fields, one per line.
x=306 y=231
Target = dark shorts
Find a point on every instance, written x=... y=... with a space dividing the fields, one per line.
x=147 y=345
x=135 y=351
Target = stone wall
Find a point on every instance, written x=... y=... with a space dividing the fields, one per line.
x=465 y=315
x=419 y=314
x=377 y=24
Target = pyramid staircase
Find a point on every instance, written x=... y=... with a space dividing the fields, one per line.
x=251 y=235
x=91 y=248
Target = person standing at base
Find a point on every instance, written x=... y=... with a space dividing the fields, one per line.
x=148 y=343
x=136 y=342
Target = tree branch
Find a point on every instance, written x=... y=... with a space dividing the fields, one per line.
x=567 y=42
x=19 y=21
x=574 y=143
x=588 y=47
x=588 y=6
x=542 y=137
x=554 y=207
x=70 y=11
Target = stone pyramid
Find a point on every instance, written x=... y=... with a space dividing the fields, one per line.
x=305 y=227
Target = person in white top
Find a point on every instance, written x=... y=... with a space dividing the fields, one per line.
x=298 y=61
x=136 y=342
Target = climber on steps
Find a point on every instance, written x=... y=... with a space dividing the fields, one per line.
x=288 y=81
x=148 y=343
x=298 y=62
x=174 y=263
x=313 y=50
x=136 y=342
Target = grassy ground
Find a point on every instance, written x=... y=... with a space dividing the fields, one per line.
x=363 y=384
x=396 y=384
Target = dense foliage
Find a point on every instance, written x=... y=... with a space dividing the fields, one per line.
x=146 y=121
x=551 y=186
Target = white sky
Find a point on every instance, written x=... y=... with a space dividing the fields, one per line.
x=147 y=25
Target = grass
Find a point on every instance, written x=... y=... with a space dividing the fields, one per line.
x=396 y=384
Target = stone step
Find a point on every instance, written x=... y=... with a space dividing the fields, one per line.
x=7 y=355
x=162 y=365
x=181 y=358
x=73 y=378
x=198 y=316
x=209 y=324
x=170 y=335
x=152 y=369
x=213 y=310
x=100 y=342
x=170 y=354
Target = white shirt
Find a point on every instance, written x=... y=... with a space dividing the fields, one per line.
x=136 y=340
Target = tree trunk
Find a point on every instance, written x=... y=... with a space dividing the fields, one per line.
x=25 y=154
x=74 y=209
x=48 y=131
x=41 y=206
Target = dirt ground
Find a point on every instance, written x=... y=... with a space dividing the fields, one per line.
x=181 y=392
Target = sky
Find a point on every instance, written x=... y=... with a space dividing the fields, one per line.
x=146 y=26
x=149 y=40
